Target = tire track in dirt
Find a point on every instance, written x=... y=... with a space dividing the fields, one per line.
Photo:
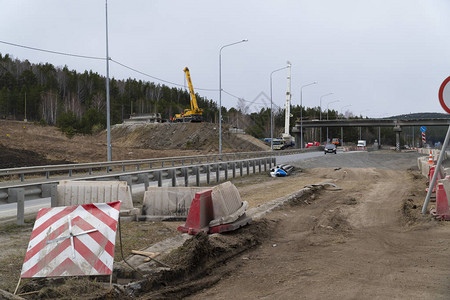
x=351 y=244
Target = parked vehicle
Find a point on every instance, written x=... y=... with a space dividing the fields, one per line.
x=336 y=141
x=330 y=148
x=278 y=144
x=361 y=145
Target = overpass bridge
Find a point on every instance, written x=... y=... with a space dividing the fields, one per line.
x=396 y=124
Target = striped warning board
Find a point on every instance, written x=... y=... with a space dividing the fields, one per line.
x=72 y=241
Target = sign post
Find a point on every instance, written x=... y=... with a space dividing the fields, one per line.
x=423 y=129
x=444 y=100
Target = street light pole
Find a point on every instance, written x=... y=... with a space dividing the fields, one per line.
x=301 y=112
x=108 y=113
x=327 y=113
x=320 y=114
x=271 y=107
x=220 y=91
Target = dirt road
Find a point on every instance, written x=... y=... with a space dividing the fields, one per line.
x=367 y=241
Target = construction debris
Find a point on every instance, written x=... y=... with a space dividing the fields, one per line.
x=281 y=170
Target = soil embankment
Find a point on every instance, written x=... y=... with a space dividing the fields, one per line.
x=28 y=144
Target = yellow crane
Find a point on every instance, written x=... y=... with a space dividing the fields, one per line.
x=195 y=114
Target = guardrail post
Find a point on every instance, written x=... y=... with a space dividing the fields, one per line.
x=234 y=169
x=173 y=176
x=208 y=170
x=186 y=177
x=159 y=176
x=247 y=163
x=259 y=165
x=265 y=164
x=18 y=195
x=254 y=166
x=173 y=163
x=197 y=175
x=162 y=164
x=138 y=167
x=240 y=168
x=47 y=174
x=123 y=168
x=217 y=172
x=128 y=179
x=50 y=190
x=22 y=177
x=225 y=166
x=90 y=171
x=143 y=178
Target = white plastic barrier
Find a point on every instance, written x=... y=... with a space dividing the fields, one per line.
x=85 y=192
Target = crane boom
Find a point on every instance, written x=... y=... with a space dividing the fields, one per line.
x=194 y=106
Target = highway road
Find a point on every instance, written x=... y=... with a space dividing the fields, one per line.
x=8 y=212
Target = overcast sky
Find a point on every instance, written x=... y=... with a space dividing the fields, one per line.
x=382 y=57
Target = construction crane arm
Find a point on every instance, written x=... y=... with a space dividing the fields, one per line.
x=194 y=106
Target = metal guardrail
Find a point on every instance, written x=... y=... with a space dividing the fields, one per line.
x=47 y=188
x=141 y=164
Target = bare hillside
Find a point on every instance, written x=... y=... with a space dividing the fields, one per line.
x=184 y=136
x=27 y=144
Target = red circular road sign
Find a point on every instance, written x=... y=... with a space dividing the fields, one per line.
x=444 y=95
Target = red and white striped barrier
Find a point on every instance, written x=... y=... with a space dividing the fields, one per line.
x=72 y=241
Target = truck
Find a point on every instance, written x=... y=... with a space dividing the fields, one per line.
x=336 y=141
x=361 y=145
x=194 y=114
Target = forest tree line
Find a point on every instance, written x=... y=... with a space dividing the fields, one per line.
x=76 y=102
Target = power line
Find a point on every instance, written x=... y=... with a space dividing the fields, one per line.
x=53 y=52
x=159 y=79
x=119 y=63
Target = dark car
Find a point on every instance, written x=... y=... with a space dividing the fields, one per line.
x=330 y=148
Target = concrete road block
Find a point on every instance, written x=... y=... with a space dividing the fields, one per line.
x=227 y=204
x=169 y=201
x=85 y=192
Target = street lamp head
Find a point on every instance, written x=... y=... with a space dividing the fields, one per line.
x=244 y=40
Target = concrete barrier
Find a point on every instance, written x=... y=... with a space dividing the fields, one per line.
x=227 y=204
x=163 y=202
x=83 y=192
x=422 y=162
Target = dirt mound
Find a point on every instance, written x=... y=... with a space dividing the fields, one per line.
x=14 y=158
x=28 y=144
x=184 y=136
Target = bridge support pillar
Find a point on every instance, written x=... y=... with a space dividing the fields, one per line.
x=397 y=130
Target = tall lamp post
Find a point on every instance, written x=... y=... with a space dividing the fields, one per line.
x=108 y=113
x=220 y=90
x=271 y=107
x=342 y=128
x=327 y=113
x=301 y=112
x=320 y=113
